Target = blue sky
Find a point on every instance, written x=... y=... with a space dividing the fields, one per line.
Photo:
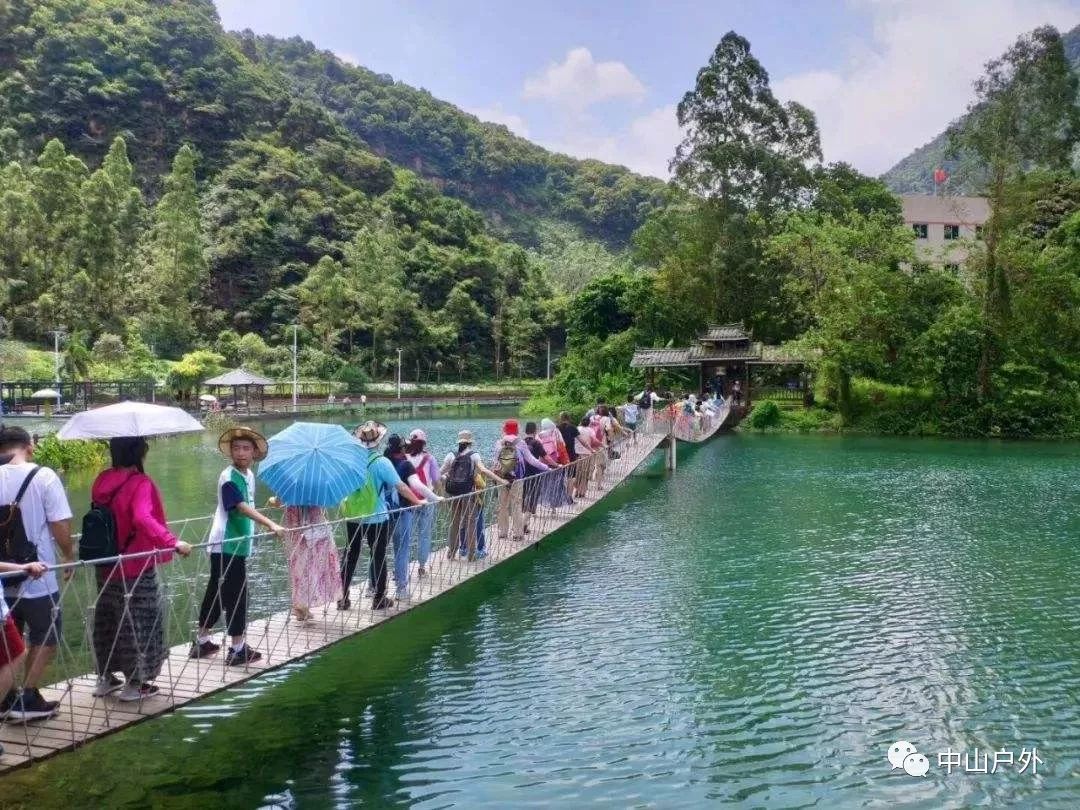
x=600 y=79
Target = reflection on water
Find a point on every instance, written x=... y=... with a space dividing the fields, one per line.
x=756 y=629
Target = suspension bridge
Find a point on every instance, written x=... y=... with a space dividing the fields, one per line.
x=274 y=631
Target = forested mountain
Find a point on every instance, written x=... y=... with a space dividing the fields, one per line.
x=913 y=174
x=164 y=181
x=510 y=179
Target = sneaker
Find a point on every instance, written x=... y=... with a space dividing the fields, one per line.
x=402 y=594
x=382 y=604
x=137 y=691
x=481 y=554
x=107 y=684
x=202 y=650
x=30 y=705
x=344 y=604
x=245 y=655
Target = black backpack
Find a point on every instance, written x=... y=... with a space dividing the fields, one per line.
x=646 y=401
x=15 y=546
x=99 y=540
x=460 y=478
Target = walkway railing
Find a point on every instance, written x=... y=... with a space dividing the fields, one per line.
x=548 y=501
x=690 y=428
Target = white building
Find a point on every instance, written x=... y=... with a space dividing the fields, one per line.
x=944 y=226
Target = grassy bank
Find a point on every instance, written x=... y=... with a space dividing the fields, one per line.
x=880 y=409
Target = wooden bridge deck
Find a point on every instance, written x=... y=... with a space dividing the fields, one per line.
x=280 y=638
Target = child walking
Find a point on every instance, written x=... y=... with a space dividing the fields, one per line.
x=230 y=546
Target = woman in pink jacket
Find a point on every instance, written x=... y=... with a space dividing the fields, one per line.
x=129 y=628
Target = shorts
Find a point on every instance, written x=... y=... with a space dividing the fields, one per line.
x=11 y=643
x=34 y=617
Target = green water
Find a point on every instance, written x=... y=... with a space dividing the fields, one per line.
x=754 y=630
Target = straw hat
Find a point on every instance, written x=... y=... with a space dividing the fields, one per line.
x=370 y=433
x=465 y=437
x=225 y=442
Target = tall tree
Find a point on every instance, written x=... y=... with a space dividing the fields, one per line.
x=57 y=181
x=1024 y=114
x=129 y=210
x=98 y=251
x=745 y=157
x=742 y=146
x=176 y=258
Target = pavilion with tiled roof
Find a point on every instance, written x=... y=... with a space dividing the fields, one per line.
x=726 y=349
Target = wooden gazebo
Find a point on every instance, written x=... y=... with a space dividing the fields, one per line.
x=240 y=379
x=726 y=350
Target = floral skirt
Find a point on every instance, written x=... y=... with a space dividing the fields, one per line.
x=314 y=571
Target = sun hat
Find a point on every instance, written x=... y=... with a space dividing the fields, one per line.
x=418 y=436
x=371 y=433
x=465 y=437
x=232 y=434
x=547 y=424
x=510 y=427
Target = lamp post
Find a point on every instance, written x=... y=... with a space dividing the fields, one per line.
x=399 y=373
x=294 y=401
x=549 y=358
x=57 y=333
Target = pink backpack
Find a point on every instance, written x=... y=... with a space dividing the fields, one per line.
x=551 y=444
x=597 y=425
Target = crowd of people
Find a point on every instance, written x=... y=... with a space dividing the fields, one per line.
x=548 y=463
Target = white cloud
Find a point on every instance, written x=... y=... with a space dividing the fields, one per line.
x=644 y=146
x=914 y=77
x=579 y=81
x=348 y=58
x=497 y=115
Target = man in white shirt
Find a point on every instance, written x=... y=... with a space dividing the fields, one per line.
x=35 y=603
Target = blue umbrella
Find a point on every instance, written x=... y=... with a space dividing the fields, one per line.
x=312 y=464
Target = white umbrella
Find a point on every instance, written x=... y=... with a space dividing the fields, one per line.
x=207 y=398
x=128 y=419
x=45 y=393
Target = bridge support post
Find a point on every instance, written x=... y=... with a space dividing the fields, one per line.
x=669 y=455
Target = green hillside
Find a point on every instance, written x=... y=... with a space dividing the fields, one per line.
x=163 y=182
x=515 y=182
x=913 y=174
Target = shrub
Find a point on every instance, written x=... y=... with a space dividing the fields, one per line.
x=765 y=415
x=354 y=377
x=71 y=454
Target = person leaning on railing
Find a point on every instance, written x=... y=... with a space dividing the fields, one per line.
x=35 y=603
x=461 y=473
x=129 y=627
x=12 y=649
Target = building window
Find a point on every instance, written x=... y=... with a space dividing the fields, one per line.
x=952 y=268
x=922 y=230
x=952 y=231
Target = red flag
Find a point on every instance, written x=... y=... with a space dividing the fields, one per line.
x=940 y=176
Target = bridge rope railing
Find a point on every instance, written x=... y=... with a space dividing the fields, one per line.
x=686 y=427
x=146 y=629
